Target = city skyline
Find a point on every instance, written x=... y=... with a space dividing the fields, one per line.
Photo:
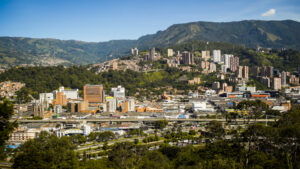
x=96 y=21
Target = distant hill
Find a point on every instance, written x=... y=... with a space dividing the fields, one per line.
x=252 y=33
x=17 y=51
x=273 y=34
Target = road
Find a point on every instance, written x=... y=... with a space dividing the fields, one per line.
x=139 y=120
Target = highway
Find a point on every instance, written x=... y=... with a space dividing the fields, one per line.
x=139 y=120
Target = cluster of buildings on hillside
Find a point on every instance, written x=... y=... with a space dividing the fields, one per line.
x=8 y=88
x=116 y=64
x=273 y=78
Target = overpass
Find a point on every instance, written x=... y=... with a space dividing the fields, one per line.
x=142 y=120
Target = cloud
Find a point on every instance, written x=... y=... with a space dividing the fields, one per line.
x=269 y=13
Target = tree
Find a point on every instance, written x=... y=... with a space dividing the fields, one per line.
x=23 y=95
x=126 y=154
x=153 y=159
x=6 y=127
x=46 y=151
x=78 y=139
x=255 y=108
x=216 y=129
x=161 y=124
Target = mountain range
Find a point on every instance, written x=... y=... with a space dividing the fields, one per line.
x=249 y=33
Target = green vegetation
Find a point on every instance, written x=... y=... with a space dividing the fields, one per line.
x=160 y=124
x=46 y=151
x=15 y=51
x=6 y=127
x=273 y=34
x=101 y=136
x=258 y=146
x=47 y=79
x=287 y=60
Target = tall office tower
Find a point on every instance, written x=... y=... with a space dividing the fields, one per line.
x=93 y=93
x=118 y=92
x=245 y=72
x=187 y=58
x=234 y=64
x=217 y=56
x=134 y=51
x=276 y=83
x=170 y=52
x=283 y=78
x=205 y=54
x=227 y=60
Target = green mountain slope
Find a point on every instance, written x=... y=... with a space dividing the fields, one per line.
x=16 y=51
x=273 y=34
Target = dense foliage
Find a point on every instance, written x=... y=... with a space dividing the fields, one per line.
x=47 y=79
x=258 y=146
x=272 y=34
x=6 y=127
x=16 y=51
x=46 y=151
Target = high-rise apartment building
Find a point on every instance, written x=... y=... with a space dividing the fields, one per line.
x=234 y=63
x=217 y=56
x=131 y=104
x=205 y=65
x=118 y=92
x=266 y=81
x=135 y=51
x=205 y=54
x=216 y=86
x=70 y=93
x=187 y=58
x=170 y=52
x=223 y=69
x=276 y=83
x=152 y=54
x=243 y=72
x=283 y=78
x=111 y=104
x=212 y=67
x=227 y=60
x=60 y=99
x=93 y=93
x=267 y=71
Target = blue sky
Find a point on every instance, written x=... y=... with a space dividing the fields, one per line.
x=102 y=20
